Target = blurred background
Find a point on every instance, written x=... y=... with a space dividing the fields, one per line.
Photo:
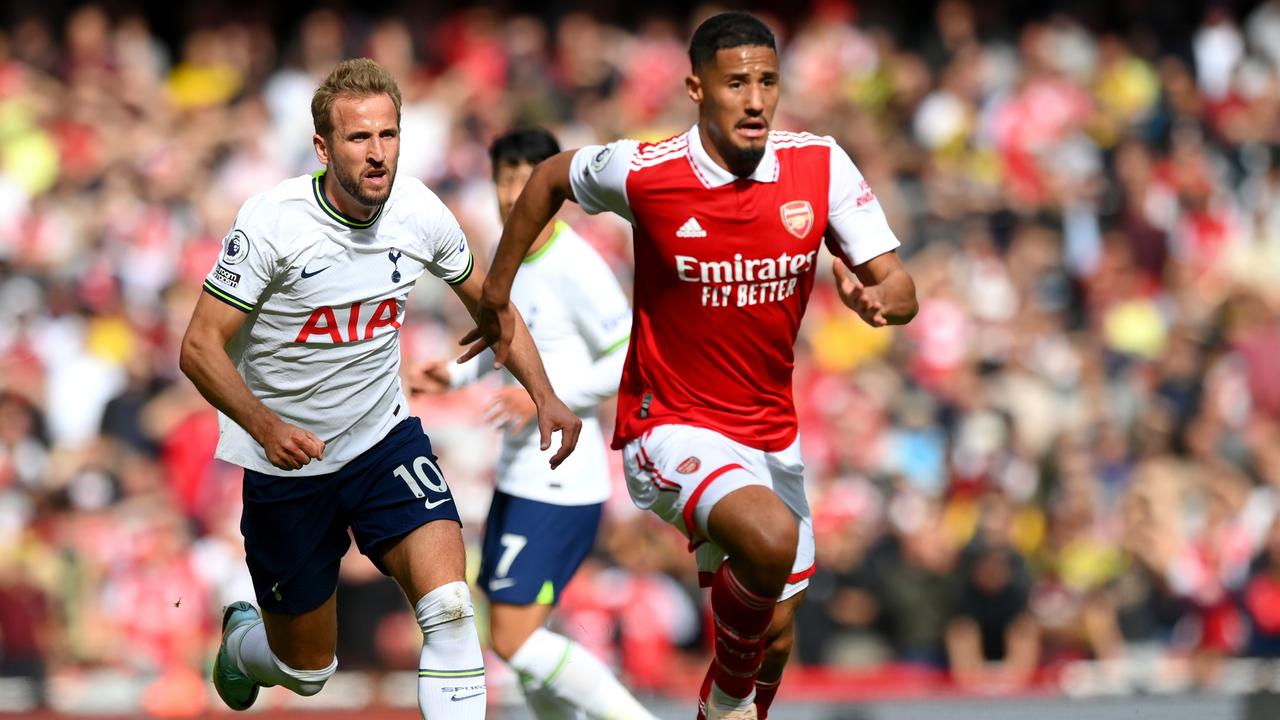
x=1061 y=480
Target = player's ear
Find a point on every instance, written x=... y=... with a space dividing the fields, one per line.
x=322 y=150
x=693 y=86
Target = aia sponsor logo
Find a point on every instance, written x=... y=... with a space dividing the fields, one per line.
x=689 y=466
x=325 y=327
x=797 y=217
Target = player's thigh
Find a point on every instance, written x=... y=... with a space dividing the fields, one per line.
x=531 y=549
x=403 y=514
x=682 y=472
x=295 y=535
x=786 y=469
x=429 y=556
x=305 y=641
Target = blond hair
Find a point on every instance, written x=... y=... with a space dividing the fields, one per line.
x=355 y=78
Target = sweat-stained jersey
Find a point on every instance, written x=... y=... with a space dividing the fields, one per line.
x=724 y=267
x=325 y=295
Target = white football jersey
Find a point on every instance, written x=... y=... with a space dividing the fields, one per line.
x=580 y=321
x=325 y=295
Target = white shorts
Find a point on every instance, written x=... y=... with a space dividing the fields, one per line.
x=680 y=472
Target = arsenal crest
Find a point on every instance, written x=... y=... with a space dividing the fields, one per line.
x=690 y=465
x=797 y=217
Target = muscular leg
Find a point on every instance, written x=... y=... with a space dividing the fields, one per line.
x=511 y=625
x=759 y=534
x=429 y=564
x=306 y=641
x=294 y=651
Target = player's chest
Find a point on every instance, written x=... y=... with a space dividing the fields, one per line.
x=764 y=224
x=329 y=273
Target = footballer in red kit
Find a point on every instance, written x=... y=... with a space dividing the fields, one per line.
x=728 y=221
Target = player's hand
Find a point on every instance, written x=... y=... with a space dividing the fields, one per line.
x=429 y=378
x=555 y=415
x=512 y=408
x=290 y=447
x=865 y=301
x=495 y=326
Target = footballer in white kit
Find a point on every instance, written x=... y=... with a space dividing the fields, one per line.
x=542 y=523
x=296 y=342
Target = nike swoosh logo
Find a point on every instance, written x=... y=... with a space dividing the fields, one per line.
x=501 y=584
x=433 y=505
x=306 y=274
x=457 y=698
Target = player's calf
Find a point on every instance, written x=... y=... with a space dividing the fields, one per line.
x=451 y=680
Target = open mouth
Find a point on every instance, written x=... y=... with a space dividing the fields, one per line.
x=752 y=128
x=376 y=177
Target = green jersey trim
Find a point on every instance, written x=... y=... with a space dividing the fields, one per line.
x=466 y=272
x=227 y=298
x=558 y=228
x=317 y=187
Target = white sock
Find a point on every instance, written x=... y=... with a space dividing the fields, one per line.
x=249 y=649
x=451 y=672
x=726 y=702
x=570 y=673
x=544 y=704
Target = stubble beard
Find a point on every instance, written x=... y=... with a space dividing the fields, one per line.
x=351 y=183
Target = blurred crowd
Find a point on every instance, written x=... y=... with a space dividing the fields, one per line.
x=1072 y=453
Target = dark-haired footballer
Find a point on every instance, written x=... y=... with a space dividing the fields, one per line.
x=728 y=221
x=542 y=522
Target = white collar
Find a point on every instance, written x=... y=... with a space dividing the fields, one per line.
x=714 y=176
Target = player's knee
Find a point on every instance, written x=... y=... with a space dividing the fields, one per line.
x=447 y=606
x=772 y=548
x=305 y=682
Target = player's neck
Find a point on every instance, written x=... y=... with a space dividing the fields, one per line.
x=713 y=152
x=543 y=238
x=340 y=199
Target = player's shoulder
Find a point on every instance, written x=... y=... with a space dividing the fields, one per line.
x=273 y=215
x=411 y=199
x=786 y=140
x=270 y=204
x=654 y=154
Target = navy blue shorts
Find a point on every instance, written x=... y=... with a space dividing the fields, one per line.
x=295 y=528
x=532 y=549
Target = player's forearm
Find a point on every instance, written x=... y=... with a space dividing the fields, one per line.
x=546 y=191
x=526 y=364
x=898 y=296
x=206 y=363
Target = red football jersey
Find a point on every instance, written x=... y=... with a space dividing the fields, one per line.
x=724 y=268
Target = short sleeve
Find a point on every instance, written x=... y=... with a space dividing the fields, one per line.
x=855 y=220
x=247 y=262
x=448 y=254
x=598 y=175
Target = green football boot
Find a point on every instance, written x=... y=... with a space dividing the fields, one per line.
x=236 y=689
